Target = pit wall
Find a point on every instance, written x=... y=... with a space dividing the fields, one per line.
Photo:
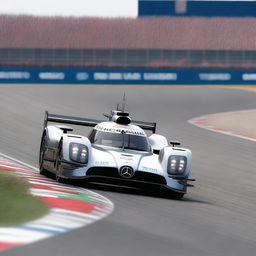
x=127 y=76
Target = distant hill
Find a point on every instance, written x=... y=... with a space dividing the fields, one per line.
x=143 y=33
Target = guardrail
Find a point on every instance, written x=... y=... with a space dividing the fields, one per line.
x=127 y=58
x=126 y=76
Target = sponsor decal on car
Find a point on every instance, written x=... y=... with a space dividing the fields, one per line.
x=119 y=130
x=102 y=163
x=148 y=169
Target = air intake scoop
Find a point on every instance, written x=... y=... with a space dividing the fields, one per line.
x=120 y=117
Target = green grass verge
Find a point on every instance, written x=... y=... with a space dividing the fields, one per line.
x=17 y=205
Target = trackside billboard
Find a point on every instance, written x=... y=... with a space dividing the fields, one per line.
x=203 y=8
x=127 y=76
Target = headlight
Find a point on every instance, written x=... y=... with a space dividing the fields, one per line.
x=177 y=165
x=78 y=153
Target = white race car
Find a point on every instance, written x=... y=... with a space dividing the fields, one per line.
x=116 y=151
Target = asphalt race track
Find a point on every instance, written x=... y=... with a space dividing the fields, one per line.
x=216 y=218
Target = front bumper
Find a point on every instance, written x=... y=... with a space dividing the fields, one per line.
x=111 y=175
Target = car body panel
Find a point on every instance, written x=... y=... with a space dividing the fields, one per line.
x=111 y=162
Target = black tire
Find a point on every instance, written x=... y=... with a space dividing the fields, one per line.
x=176 y=195
x=57 y=163
x=59 y=179
x=42 y=171
x=80 y=183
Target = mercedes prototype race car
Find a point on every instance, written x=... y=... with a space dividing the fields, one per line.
x=116 y=150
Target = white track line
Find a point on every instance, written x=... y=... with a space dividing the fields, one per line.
x=20 y=162
x=199 y=122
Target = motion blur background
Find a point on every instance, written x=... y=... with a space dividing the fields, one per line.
x=176 y=41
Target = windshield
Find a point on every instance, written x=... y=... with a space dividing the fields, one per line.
x=120 y=140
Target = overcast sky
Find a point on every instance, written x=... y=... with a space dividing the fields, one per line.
x=103 y=8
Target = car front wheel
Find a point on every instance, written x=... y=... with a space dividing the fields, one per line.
x=42 y=171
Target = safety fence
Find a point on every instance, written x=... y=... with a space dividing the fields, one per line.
x=127 y=76
x=127 y=58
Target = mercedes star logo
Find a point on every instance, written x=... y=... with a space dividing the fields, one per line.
x=126 y=172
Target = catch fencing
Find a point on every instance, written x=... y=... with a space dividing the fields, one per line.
x=127 y=58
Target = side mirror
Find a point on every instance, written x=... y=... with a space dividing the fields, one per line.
x=175 y=143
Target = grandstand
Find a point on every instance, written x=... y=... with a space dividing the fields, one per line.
x=144 y=42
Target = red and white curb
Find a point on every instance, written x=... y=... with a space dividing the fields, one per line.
x=71 y=207
x=201 y=122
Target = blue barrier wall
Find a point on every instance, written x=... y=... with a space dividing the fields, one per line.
x=197 y=8
x=126 y=76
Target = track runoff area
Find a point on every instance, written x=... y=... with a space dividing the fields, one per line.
x=70 y=207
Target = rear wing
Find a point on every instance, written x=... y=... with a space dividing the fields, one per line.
x=69 y=120
x=89 y=122
x=145 y=125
